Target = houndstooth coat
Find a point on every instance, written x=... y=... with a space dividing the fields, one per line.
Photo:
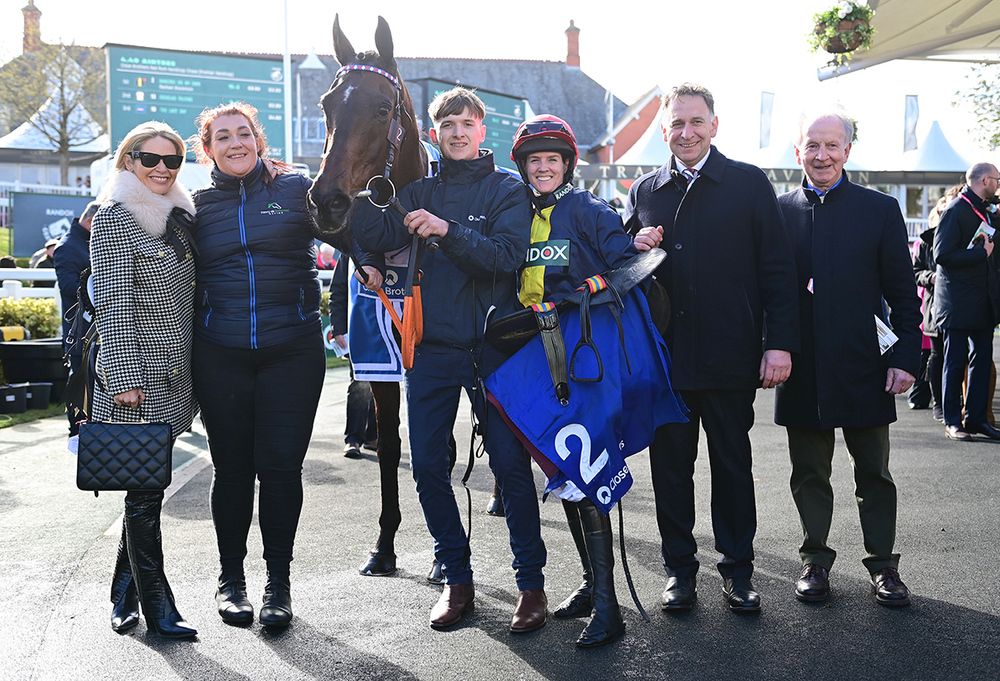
x=144 y=298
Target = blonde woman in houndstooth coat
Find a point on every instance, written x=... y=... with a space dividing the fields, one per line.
x=143 y=274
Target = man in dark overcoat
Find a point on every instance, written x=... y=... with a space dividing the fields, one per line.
x=965 y=302
x=853 y=258
x=729 y=268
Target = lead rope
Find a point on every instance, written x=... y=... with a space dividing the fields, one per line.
x=628 y=573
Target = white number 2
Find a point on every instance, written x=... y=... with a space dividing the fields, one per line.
x=588 y=469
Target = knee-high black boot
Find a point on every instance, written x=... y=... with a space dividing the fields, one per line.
x=124 y=600
x=606 y=624
x=579 y=603
x=145 y=551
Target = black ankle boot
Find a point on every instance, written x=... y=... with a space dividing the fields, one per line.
x=277 y=608
x=580 y=603
x=142 y=532
x=124 y=599
x=606 y=624
x=231 y=598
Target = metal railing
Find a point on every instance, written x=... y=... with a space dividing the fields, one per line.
x=8 y=188
x=914 y=227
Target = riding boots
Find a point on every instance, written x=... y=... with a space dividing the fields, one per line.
x=455 y=602
x=606 y=624
x=580 y=603
x=145 y=551
x=277 y=608
x=124 y=599
x=231 y=597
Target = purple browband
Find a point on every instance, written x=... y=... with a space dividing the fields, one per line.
x=372 y=69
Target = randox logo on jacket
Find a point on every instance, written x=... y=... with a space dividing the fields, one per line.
x=274 y=208
x=553 y=253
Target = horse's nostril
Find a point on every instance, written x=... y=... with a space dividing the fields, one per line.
x=339 y=202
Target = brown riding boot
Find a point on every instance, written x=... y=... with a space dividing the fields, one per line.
x=530 y=612
x=456 y=600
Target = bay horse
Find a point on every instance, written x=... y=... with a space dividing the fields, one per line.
x=371 y=131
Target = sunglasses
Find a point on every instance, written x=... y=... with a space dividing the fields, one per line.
x=150 y=160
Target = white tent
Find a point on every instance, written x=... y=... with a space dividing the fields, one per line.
x=27 y=137
x=934 y=154
x=962 y=30
x=649 y=150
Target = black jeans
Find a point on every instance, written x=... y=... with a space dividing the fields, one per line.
x=258 y=407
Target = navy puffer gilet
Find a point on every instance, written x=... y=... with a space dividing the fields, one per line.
x=257 y=282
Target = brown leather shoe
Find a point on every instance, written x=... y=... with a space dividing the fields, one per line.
x=530 y=612
x=456 y=600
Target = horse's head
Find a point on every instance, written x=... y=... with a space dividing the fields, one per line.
x=360 y=107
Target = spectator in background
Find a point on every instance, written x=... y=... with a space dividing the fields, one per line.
x=326 y=257
x=966 y=302
x=45 y=262
x=924 y=269
x=72 y=256
x=361 y=427
x=8 y=262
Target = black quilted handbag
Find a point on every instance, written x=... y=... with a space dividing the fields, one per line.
x=124 y=456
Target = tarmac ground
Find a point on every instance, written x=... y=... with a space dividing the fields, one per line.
x=58 y=548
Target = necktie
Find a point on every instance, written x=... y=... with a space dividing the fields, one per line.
x=690 y=174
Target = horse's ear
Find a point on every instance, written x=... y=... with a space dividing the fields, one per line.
x=341 y=45
x=383 y=42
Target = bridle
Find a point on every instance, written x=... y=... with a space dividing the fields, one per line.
x=382 y=186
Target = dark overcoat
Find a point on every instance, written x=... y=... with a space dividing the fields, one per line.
x=851 y=250
x=964 y=295
x=729 y=269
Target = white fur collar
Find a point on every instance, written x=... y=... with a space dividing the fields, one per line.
x=149 y=210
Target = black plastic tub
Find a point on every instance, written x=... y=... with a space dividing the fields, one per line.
x=39 y=395
x=13 y=399
x=36 y=361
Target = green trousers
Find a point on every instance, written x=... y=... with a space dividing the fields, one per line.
x=811 y=452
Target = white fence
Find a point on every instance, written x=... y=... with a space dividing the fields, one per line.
x=14 y=288
x=8 y=188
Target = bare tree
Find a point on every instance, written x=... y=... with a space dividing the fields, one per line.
x=982 y=95
x=59 y=91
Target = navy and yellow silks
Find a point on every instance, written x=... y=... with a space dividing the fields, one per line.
x=604 y=422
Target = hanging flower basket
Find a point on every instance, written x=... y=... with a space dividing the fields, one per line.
x=842 y=29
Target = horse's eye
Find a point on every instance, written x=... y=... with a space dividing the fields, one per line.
x=383 y=110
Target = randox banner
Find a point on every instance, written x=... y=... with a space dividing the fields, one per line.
x=40 y=217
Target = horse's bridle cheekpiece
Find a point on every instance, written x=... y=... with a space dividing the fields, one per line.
x=396 y=131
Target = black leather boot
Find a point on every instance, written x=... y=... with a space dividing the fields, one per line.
x=124 y=599
x=277 y=608
x=231 y=597
x=142 y=531
x=606 y=624
x=580 y=603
